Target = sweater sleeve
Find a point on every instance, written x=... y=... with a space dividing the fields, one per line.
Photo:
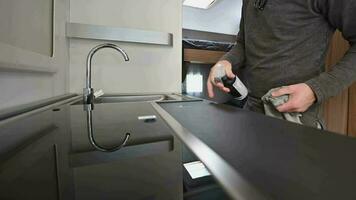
x=341 y=15
x=236 y=56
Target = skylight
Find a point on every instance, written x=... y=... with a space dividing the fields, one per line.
x=203 y=4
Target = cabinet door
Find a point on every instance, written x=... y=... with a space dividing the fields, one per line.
x=336 y=108
x=352 y=111
x=31 y=172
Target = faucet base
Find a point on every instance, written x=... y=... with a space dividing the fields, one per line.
x=88 y=95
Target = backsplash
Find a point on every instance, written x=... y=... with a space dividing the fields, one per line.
x=151 y=69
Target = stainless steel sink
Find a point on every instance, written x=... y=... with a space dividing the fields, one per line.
x=132 y=98
x=142 y=98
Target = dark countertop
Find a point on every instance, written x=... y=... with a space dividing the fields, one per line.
x=48 y=155
x=112 y=121
x=282 y=159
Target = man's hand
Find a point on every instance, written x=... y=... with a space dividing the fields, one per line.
x=211 y=80
x=300 y=99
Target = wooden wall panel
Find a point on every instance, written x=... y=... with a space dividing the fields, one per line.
x=202 y=56
x=352 y=111
x=336 y=108
x=336 y=113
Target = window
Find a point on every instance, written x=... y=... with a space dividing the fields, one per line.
x=194 y=83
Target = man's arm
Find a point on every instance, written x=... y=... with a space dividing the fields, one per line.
x=341 y=14
x=236 y=56
x=233 y=59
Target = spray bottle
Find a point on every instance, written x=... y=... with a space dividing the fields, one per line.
x=237 y=88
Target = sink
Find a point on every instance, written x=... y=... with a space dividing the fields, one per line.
x=132 y=98
x=117 y=98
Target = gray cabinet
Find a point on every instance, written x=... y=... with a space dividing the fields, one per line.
x=31 y=172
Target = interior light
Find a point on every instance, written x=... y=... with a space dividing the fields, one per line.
x=203 y=4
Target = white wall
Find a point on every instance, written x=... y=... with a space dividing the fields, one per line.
x=20 y=87
x=224 y=17
x=152 y=68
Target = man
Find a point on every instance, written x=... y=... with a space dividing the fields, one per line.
x=284 y=43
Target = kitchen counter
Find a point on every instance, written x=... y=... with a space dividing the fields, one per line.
x=281 y=159
x=49 y=155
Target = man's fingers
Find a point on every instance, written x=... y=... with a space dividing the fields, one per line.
x=229 y=73
x=219 y=85
x=211 y=81
x=289 y=106
x=282 y=91
x=226 y=90
x=210 y=89
x=211 y=77
x=222 y=87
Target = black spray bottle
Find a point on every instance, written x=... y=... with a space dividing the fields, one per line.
x=237 y=88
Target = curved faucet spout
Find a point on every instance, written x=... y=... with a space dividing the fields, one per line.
x=88 y=90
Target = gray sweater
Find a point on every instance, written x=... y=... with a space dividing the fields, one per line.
x=286 y=43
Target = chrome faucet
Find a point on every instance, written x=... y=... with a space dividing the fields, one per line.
x=88 y=91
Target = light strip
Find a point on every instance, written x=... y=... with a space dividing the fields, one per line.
x=203 y=4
